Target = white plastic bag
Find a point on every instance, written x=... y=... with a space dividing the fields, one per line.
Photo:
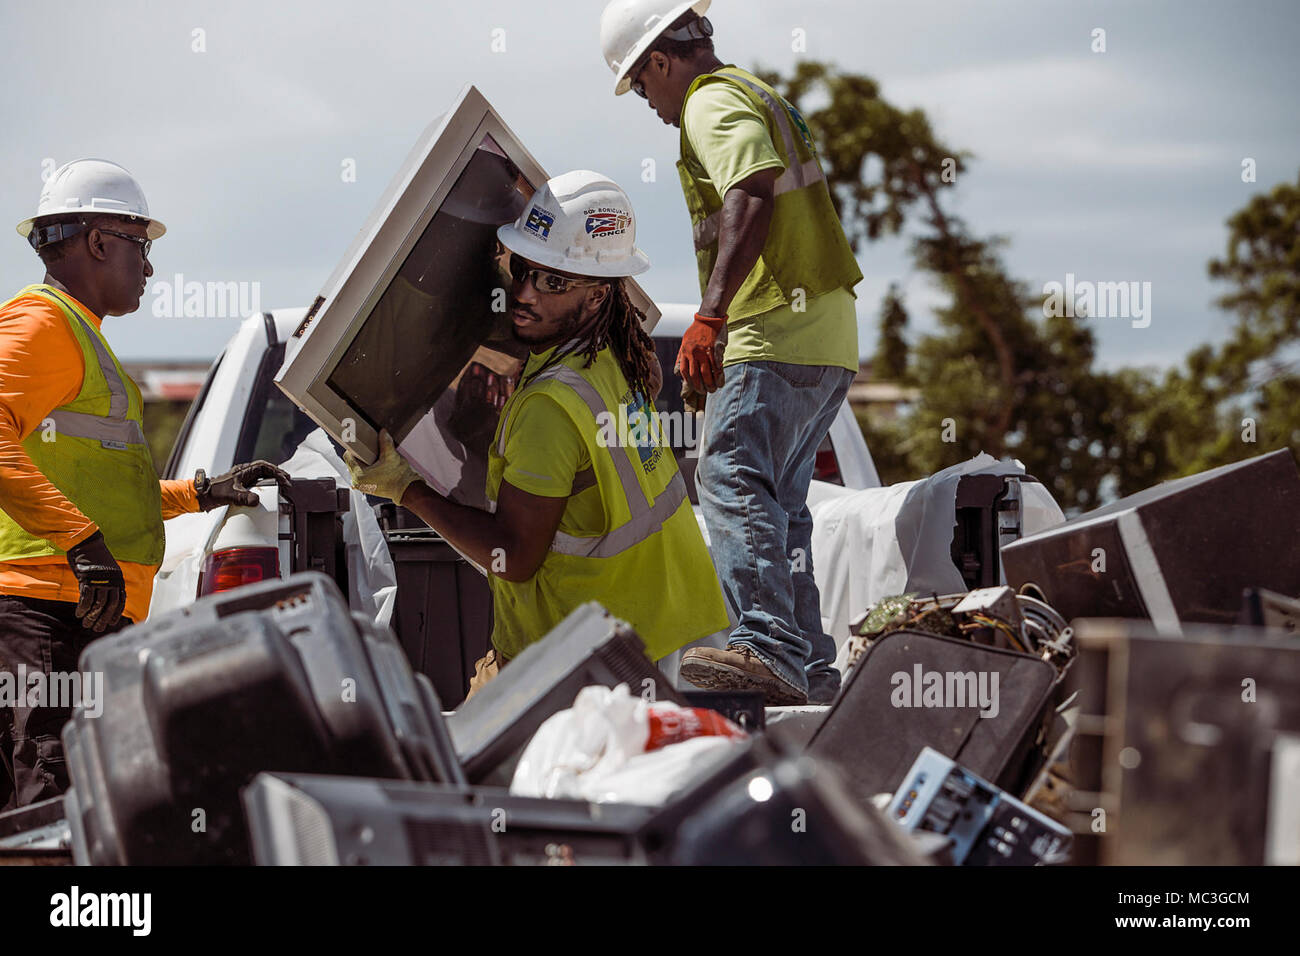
x=597 y=750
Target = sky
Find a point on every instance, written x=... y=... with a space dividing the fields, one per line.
x=242 y=119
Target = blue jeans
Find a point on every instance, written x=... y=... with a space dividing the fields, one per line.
x=762 y=432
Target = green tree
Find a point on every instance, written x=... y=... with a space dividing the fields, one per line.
x=1255 y=373
x=1000 y=377
x=1202 y=412
x=891 y=348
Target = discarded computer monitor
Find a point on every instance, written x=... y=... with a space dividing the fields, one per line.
x=765 y=804
x=1180 y=552
x=588 y=647
x=983 y=706
x=307 y=820
x=37 y=834
x=278 y=676
x=1187 y=749
x=744 y=708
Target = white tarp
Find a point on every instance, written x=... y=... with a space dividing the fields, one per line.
x=877 y=542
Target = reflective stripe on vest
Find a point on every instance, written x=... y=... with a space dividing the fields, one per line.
x=108 y=432
x=805 y=253
x=646 y=518
x=114 y=429
x=97 y=455
x=797 y=175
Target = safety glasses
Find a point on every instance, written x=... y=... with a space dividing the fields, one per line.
x=637 y=86
x=44 y=235
x=145 y=244
x=546 y=281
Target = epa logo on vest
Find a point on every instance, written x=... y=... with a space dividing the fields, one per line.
x=804 y=133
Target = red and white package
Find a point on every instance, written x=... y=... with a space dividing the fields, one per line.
x=612 y=747
x=671 y=724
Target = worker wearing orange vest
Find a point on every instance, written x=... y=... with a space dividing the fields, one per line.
x=81 y=507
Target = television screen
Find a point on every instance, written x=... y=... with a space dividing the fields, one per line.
x=440 y=336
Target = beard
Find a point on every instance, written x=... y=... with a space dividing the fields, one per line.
x=548 y=334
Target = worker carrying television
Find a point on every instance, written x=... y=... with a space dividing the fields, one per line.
x=582 y=511
x=776 y=280
x=81 y=506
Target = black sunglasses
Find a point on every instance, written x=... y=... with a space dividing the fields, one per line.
x=145 y=244
x=637 y=86
x=699 y=28
x=546 y=281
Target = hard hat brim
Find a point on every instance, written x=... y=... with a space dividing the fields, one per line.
x=524 y=245
x=156 y=228
x=623 y=82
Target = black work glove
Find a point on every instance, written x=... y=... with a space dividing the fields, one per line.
x=103 y=589
x=232 y=487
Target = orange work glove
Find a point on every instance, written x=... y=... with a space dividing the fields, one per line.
x=697 y=360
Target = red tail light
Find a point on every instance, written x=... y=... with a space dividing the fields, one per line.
x=827 y=467
x=235 y=567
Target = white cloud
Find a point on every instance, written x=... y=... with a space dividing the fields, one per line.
x=1059 y=112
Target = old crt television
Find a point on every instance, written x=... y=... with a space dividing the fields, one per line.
x=1180 y=552
x=412 y=332
x=1190 y=744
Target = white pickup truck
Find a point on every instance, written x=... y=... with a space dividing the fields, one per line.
x=240 y=415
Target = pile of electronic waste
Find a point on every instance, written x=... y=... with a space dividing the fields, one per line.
x=1011 y=724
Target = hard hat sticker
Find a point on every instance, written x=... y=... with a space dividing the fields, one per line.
x=606 y=221
x=539 y=222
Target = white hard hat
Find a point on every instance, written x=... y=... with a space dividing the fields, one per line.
x=92 y=186
x=581 y=222
x=629 y=27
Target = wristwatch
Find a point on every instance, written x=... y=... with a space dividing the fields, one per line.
x=201 y=483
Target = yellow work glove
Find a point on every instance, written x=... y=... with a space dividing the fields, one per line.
x=389 y=477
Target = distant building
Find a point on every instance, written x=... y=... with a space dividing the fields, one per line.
x=168 y=381
x=879 y=400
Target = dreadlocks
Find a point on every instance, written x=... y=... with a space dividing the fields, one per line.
x=618 y=326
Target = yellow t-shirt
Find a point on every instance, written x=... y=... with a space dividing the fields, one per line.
x=730 y=138
x=543 y=455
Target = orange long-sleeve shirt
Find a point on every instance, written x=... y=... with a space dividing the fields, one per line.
x=41 y=368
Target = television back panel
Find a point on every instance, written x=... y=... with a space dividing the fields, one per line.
x=587 y=647
x=412 y=332
x=1180 y=552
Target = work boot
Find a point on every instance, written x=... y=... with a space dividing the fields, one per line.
x=823 y=685
x=737 y=668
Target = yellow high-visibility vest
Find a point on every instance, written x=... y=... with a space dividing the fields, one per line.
x=649 y=565
x=806 y=248
x=93 y=450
